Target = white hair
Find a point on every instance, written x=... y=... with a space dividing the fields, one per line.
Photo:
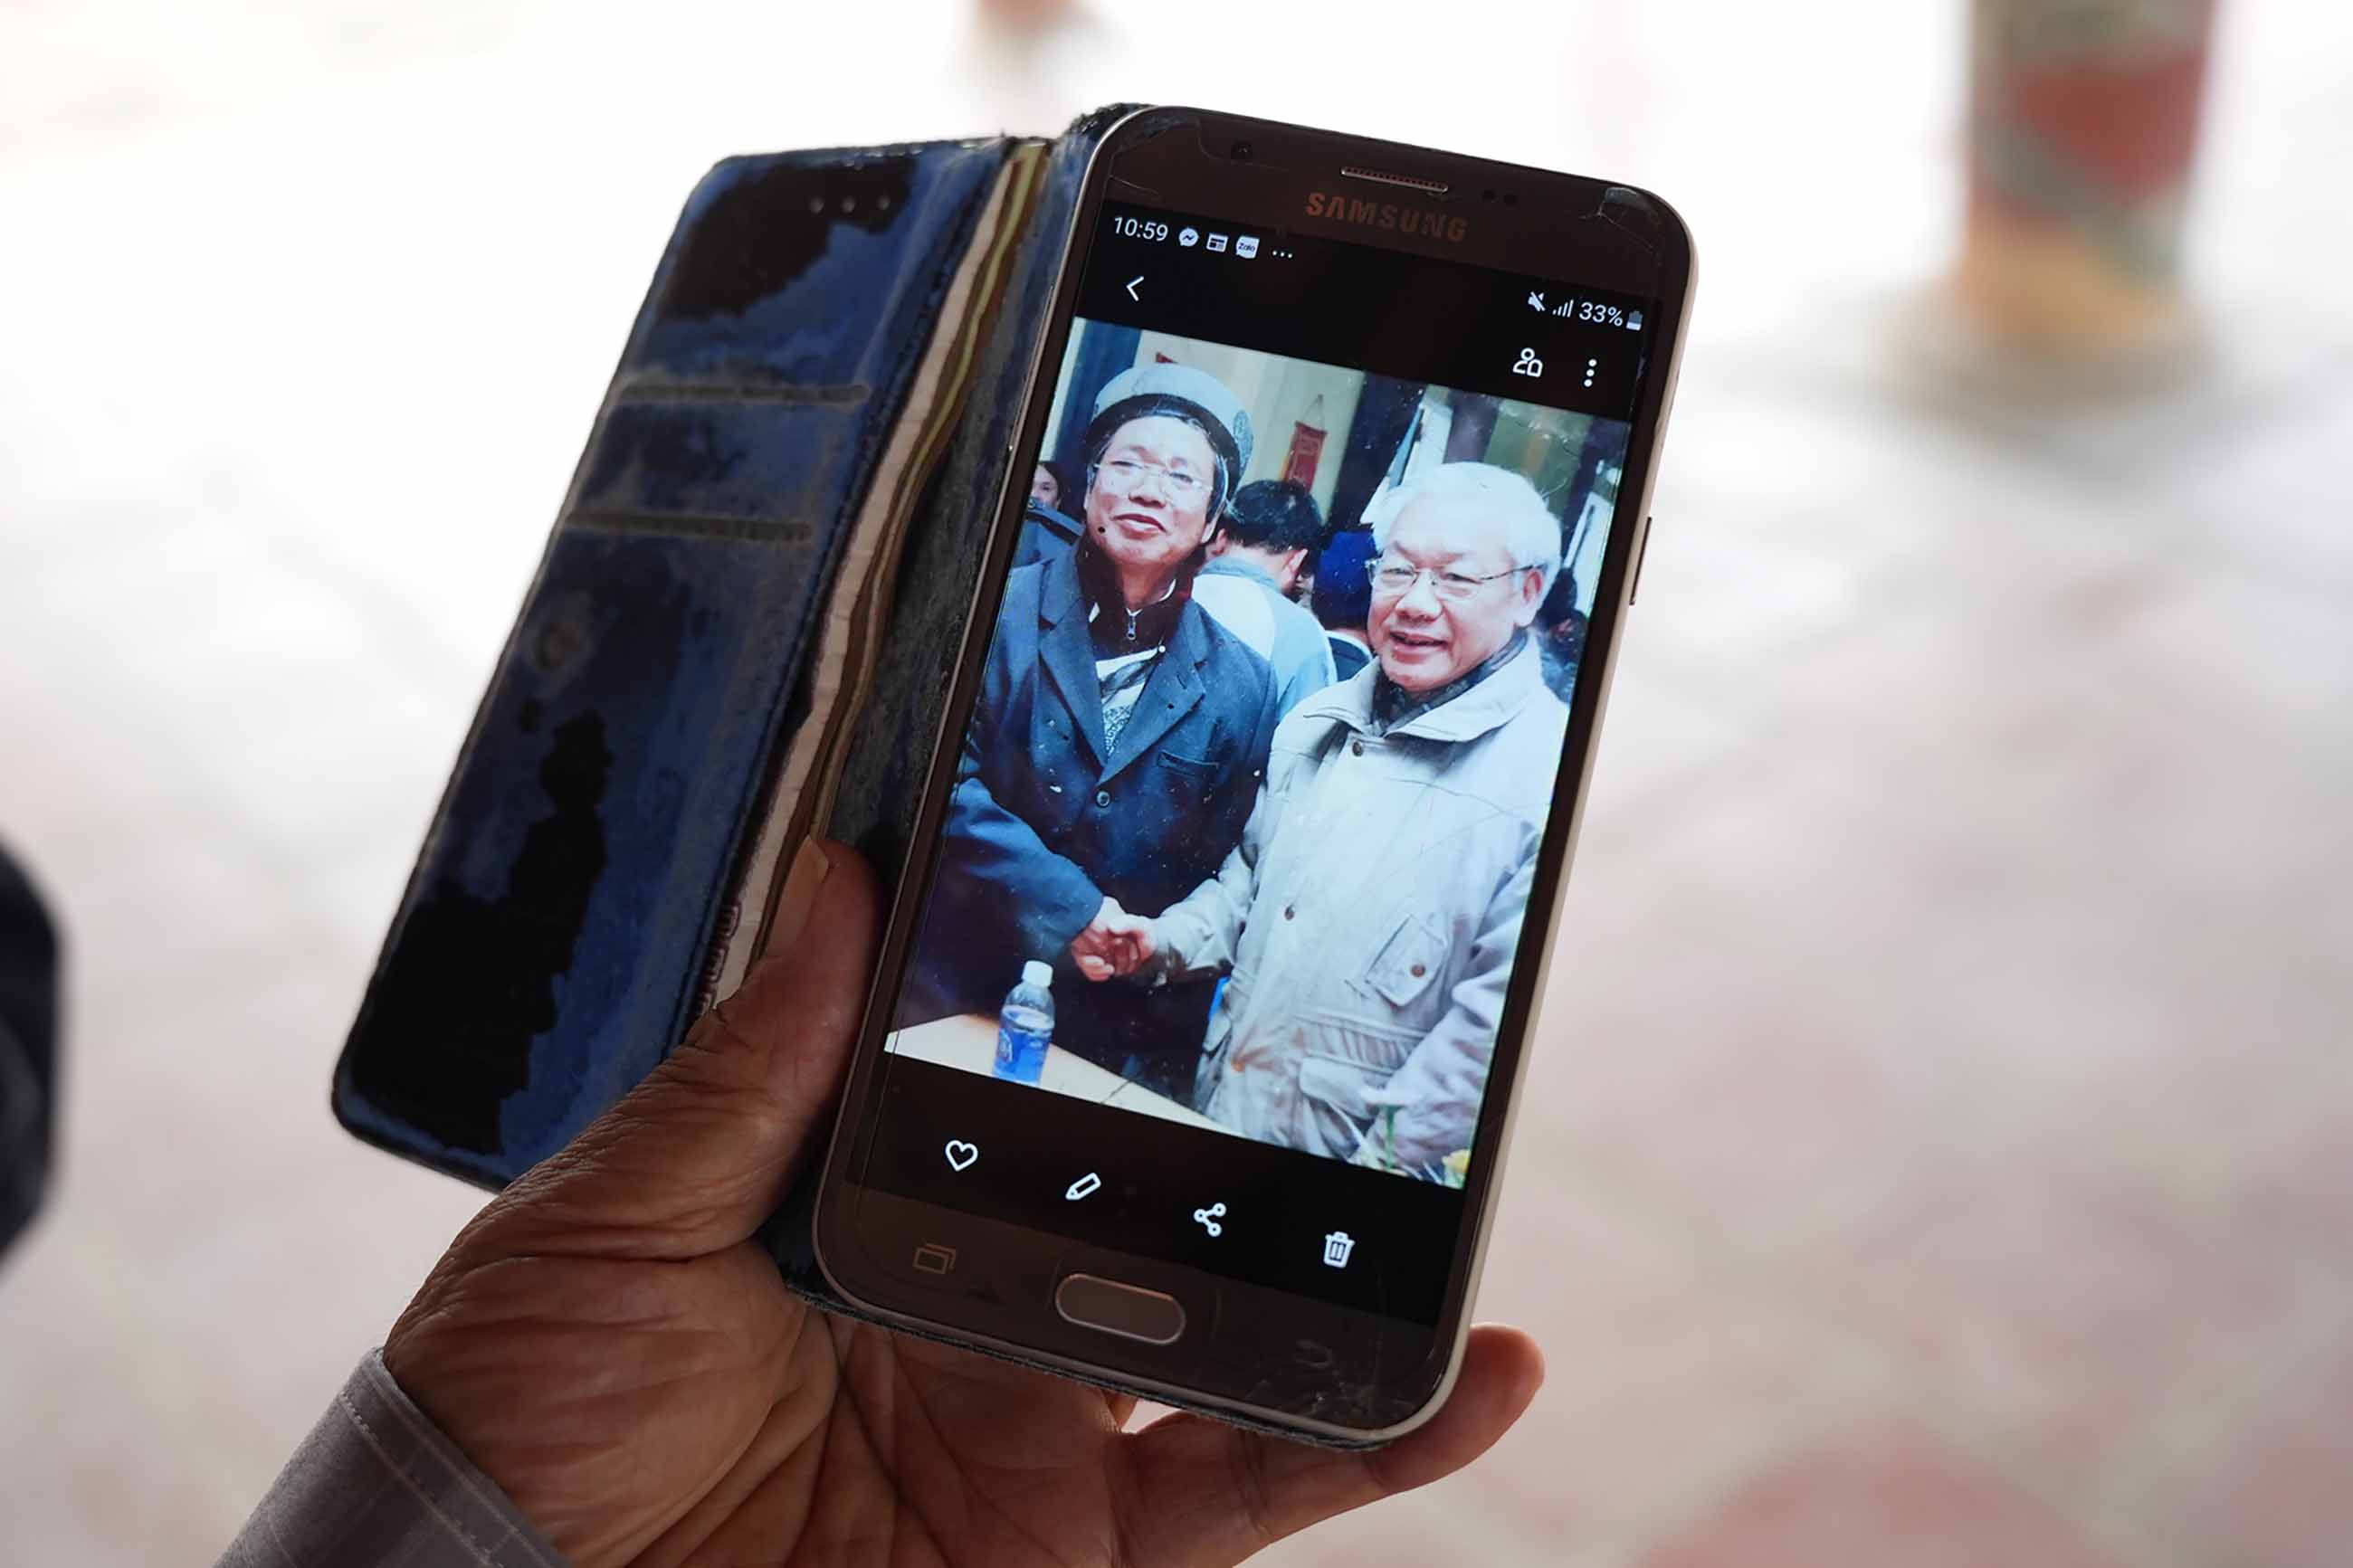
x=1531 y=531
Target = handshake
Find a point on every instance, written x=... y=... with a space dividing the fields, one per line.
x=1114 y=943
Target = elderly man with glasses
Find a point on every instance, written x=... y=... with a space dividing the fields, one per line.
x=1117 y=742
x=1370 y=914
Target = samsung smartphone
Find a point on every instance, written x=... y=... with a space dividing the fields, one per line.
x=1191 y=1062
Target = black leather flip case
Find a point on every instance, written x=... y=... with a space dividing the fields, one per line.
x=556 y=932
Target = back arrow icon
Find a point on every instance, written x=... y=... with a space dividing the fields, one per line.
x=1131 y=288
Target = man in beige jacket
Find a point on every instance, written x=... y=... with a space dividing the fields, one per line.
x=1371 y=914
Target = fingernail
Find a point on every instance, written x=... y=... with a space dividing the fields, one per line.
x=811 y=866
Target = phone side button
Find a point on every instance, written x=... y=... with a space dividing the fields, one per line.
x=1642 y=553
x=1128 y=1310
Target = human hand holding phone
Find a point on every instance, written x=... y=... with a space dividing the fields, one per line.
x=1459 y=369
x=609 y=1343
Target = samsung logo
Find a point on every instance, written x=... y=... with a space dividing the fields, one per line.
x=1385 y=214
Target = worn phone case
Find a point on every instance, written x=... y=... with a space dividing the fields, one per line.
x=827 y=365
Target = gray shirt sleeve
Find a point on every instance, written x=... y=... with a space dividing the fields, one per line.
x=378 y=1484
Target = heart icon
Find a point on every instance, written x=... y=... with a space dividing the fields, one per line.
x=961 y=1154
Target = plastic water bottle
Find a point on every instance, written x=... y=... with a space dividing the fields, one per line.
x=1024 y=1025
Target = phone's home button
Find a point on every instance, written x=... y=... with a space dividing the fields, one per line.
x=1129 y=1310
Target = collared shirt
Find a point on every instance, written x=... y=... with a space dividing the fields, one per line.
x=1116 y=630
x=378 y=1484
x=1395 y=707
x=1127 y=643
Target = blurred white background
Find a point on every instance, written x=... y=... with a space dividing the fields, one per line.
x=1941 y=1149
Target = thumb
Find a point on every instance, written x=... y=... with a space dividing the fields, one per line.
x=694 y=1158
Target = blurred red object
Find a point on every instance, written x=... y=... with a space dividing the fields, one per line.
x=2083 y=121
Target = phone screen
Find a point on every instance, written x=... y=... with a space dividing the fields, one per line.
x=1248 y=833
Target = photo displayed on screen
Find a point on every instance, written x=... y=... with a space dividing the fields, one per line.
x=1247 y=814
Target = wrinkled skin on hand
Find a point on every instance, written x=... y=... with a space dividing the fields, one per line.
x=608 y=1344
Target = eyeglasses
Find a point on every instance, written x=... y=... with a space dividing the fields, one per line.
x=1128 y=476
x=1393 y=578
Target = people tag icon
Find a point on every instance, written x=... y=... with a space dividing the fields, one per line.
x=1336 y=1247
x=1528 y=363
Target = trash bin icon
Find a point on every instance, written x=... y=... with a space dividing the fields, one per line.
x=1336 y=1247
